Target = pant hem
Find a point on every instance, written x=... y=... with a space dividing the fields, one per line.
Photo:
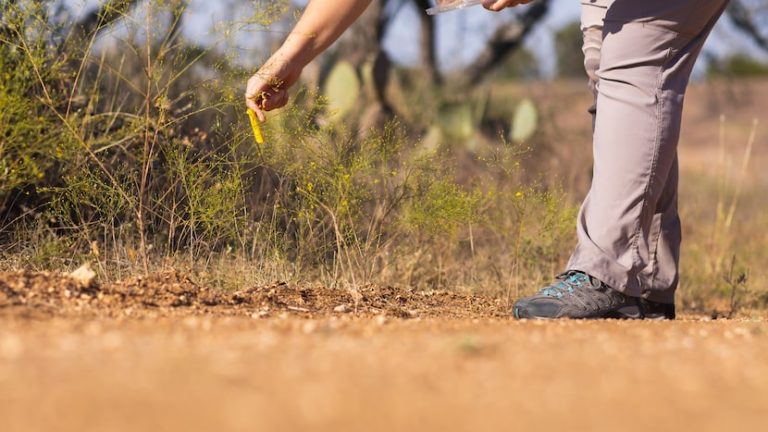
x=666 y=297
x=619 y=284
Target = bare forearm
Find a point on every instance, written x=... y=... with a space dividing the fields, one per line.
x=321 y=24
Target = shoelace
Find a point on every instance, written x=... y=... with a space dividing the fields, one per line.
x=567 y=283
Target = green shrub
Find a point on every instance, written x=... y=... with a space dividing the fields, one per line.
x=34 y=144
x=737 y=65
x=139 y=155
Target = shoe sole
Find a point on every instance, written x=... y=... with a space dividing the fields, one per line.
x=629 y=312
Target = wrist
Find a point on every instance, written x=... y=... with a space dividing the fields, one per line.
x=297 y=50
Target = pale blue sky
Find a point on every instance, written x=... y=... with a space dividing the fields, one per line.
x=461 y=34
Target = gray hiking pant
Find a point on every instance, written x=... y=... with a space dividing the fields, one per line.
x=639 y=55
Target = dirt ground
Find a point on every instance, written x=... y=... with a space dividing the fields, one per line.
x=161 y=353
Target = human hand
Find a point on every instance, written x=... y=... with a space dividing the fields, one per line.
x=497 y=5
x=268 y=88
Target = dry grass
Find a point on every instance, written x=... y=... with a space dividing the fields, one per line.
x=167 y=175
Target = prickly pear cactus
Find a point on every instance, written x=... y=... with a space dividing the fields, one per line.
x=525 y=121
x=431 y=141
x=342 y=89
x=456 y=121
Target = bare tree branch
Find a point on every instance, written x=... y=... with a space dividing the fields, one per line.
x=745 y=20
x=505 y=41
x=99 y=18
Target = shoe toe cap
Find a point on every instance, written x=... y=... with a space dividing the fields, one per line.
x=537 y=307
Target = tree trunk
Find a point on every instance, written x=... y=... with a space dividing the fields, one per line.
x=362 y=46
x=428 y=43
x=363 y=39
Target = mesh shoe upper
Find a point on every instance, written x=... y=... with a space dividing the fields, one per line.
x=577 y=295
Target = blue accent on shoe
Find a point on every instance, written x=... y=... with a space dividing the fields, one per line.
x=567 y=283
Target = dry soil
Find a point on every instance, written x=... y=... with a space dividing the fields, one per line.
x=161 y=353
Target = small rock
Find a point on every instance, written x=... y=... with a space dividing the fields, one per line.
x=340 y=308
x=381 y=320
x=84 y=275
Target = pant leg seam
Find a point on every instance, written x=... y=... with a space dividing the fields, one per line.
x=654 y=161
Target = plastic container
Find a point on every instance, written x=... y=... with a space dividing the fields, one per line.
x=449 y=5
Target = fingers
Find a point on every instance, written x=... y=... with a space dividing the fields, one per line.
x=260 y=96
x=498 y=5
x=253 y=96
x=252 y=105
x=275 y=100
x=495 y=5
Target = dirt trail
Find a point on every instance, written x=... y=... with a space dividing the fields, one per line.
x=30 y=294
x=87 y=365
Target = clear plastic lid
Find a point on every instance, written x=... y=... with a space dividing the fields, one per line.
x=449 y=5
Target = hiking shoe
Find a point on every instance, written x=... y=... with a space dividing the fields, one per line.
x=579 y=295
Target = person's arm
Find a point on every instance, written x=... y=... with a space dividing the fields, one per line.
x=321 y=24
